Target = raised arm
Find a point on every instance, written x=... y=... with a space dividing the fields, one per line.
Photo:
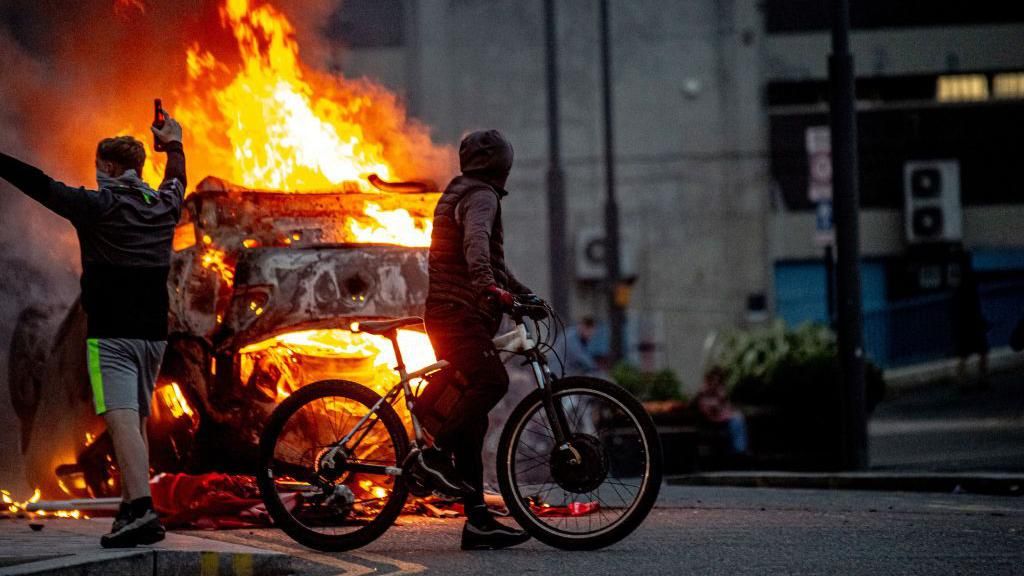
x=174 y=174
x=75 y=204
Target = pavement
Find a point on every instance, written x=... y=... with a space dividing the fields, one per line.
x=693 y=530
x=945 y=428
x=930 y=434
x=66 y=546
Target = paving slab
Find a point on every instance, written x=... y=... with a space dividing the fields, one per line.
x=72 y=547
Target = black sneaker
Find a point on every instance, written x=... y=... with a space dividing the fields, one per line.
x=433 y=468
x=489 y=534
x=145 y=529
x=124 y=516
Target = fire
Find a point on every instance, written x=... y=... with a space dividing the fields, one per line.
x=260 y=118
x=256 y=116
x=13 y=506
x=73 y=514
x=214 y=260
x=298 y=358
x=175 y=401
x=391 y=227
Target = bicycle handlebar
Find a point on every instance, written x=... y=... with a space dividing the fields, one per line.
x=534 y=311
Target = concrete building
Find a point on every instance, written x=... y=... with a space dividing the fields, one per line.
x=709 y=96
x=939 y=84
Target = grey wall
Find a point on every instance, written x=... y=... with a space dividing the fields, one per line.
x=903 y=51
x=692 y=176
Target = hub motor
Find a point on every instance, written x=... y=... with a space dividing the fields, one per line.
x=580 y=465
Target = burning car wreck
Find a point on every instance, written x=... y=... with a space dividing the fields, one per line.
x=265 y=289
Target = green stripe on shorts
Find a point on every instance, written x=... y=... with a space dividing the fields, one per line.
x=96 y=374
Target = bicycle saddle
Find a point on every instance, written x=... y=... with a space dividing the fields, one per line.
x=385 y=326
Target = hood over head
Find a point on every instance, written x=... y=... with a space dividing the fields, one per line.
x=486 y=155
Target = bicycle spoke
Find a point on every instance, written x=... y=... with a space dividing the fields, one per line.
x=336 y=501
x=599 y=418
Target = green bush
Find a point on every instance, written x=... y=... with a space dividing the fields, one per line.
x=660 y=385
x=774 y=365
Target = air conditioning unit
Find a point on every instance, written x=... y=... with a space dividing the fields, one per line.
x=590 y=259
x=932 y=211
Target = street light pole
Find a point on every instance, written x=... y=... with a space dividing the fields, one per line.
x=558 y=273
x=842 y=112
x=616 y=312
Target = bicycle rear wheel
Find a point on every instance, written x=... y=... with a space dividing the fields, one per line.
x=597 y=492
x=328 y=500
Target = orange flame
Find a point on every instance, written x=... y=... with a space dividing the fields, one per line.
x=13 y=506
x=391 y=227
x=214 y=260
x=175 y=401
x=364 y=358
x=268 y=122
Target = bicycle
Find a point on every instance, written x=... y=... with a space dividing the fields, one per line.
x=574 y=451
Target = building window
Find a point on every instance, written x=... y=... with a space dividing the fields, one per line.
x=1008 y=85
x=962 y=88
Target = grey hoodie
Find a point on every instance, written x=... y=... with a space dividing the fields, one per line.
x=124 y=231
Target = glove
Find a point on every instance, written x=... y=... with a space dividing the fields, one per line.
x=171 y=132
x=499 y=298
x=537 y=306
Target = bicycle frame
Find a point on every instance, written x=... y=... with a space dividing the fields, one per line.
x=517 y=341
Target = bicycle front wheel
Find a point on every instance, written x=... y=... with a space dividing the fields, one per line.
x=596 y=490
x=325 y=498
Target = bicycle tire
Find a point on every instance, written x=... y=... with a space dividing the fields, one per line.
x=264 y=478
x=644 y=503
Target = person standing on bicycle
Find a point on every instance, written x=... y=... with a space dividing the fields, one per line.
x=124 y=231
x=470 y=288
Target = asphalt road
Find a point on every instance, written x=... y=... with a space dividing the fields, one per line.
x=710 y=530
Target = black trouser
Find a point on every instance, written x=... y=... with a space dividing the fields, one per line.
x=464 y=340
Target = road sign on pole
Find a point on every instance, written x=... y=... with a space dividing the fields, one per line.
x=824 y=231
x=819 y=182
x=819 y=160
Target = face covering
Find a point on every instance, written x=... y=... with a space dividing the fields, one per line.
x=102 y=178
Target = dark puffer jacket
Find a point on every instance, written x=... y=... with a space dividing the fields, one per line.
x=467 y=252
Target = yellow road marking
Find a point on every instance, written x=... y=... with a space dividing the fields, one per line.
x=242 y=564
x=209 y=564
x=349 y=568
x=403 y=567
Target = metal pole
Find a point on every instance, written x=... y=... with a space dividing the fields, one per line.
x=616 y=313
x=558 y=272
x=853 y=453
x=830 y=286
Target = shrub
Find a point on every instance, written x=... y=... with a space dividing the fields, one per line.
x=660 y=385
x=775 y=365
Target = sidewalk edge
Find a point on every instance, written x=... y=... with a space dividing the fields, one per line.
x=981 y=483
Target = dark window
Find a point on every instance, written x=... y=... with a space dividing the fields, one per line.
x=368 y=23
x=984 y=137
x=888 y=89
x=789 y=16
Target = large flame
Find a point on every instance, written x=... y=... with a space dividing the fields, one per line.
x=260 y=118
x=283 y=133
x=266 y=122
